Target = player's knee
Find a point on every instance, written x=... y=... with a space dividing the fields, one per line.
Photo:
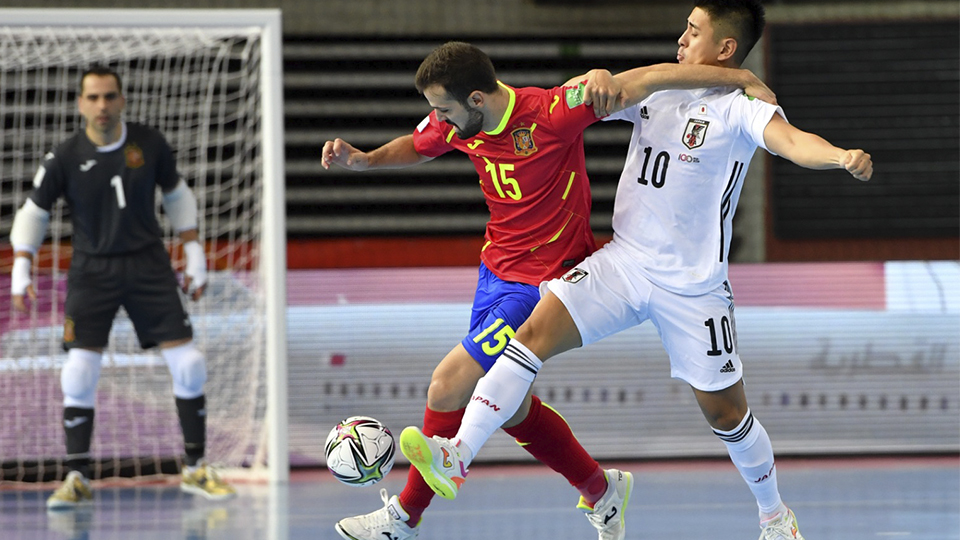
x=79 y=378
x=724 y=418
x=445 y=394
x=453 y=381
x=188 y=367
x=723 y=409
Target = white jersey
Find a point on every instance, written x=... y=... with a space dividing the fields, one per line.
x=688 y=155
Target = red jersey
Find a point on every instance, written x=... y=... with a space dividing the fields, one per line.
x=534 y=178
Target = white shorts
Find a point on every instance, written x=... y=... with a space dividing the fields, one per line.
x=606 y=294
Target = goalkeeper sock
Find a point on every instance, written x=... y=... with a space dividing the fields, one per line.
x=193 y=422
x=78 y=431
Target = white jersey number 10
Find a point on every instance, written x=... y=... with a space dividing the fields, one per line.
x=659 y=173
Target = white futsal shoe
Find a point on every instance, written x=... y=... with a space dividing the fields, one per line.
x=607 y=515
x=387 y=522
x=783 y=526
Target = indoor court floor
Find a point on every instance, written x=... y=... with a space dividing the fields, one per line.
x=908 y=498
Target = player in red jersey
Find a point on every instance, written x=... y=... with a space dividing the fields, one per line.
x=527 y=147
x=532 y=173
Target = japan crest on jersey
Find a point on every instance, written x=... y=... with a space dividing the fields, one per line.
x=694 y=134
x=575 y=275
x=523 y=143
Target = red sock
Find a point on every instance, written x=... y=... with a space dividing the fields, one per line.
x=593 y=487
x=416 y=495
x=546 y=435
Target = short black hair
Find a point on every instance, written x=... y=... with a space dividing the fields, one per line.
x=745 y=18
x=459 y=68
x=101 y=71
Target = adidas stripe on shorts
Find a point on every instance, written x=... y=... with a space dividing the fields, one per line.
x=605 y=294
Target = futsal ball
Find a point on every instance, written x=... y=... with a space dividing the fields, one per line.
x=360 y=451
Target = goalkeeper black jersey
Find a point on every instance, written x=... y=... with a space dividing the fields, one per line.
x=110 y=190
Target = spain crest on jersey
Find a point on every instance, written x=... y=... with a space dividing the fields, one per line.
x=523 y=143
x=134 y=156
x=695 y=132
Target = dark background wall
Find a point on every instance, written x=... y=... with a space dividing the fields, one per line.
x=891 y=88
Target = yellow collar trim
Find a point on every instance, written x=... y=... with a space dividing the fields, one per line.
x=506 y=114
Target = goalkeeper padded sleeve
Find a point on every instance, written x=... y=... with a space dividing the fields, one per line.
x=29 y=227
x=181 y=207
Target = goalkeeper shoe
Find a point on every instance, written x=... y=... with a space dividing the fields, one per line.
x=437 y=459
x=203 y=480
x=387 y=522
x=74 y=492
x=607 y=514
x=783 y=526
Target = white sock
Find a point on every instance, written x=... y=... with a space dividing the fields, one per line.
x=749 y=447
x=767 y=517
x=497 y=397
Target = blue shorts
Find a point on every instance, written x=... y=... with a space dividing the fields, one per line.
x=499 y=308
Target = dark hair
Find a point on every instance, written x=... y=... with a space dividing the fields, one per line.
x=101 y=71
x=459 y=68
x=744 y=18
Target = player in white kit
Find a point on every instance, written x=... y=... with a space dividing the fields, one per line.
x=667 y=262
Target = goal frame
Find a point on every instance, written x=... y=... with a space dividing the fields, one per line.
x=273 y=237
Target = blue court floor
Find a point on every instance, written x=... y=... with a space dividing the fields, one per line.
x=838 y=499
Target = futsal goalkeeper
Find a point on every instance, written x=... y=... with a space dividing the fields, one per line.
x=108 y=174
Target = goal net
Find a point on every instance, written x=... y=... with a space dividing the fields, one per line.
x=202 y=87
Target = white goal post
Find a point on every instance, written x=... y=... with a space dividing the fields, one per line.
x=211 y=82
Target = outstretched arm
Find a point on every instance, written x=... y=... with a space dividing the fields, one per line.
x=639 y=83
x=609 y=94
x=814 y=152
x=396 y=154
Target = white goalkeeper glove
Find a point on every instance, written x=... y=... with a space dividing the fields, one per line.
x=21 y=281
x=195 y=272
